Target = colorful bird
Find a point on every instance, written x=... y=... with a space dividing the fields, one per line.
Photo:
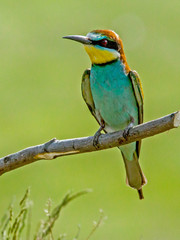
x=113 y=94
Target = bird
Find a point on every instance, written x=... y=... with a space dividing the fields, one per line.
x=114 y=95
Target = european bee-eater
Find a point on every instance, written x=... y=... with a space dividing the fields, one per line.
x=113 y=94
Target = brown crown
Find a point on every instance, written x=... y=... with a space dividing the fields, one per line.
x=115 y=37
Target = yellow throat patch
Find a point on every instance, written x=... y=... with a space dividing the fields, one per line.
x=100 y=56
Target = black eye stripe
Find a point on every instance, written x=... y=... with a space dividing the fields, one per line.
x=110 y=44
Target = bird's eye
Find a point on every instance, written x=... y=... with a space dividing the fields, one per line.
x=103 y=42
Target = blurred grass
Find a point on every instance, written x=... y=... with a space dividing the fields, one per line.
x=16 y=225
x=40 y=75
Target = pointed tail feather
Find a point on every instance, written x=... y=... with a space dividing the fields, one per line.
x=134 y=175
x=140 y=192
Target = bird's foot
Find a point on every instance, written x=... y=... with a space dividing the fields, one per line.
x=96 y=136
x=127 y=130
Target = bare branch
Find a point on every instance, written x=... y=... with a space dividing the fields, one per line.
x=57 y=148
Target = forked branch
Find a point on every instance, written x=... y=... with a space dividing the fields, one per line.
x=57 y=148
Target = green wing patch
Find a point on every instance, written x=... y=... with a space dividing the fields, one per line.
x=136 y=83
x=86 y=92
x=137 y=87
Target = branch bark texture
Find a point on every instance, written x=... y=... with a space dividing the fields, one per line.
x=57 y=148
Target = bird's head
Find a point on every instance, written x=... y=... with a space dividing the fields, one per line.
x=102 y=46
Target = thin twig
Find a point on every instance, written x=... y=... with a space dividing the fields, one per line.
x=97 y=224
x=57 y=148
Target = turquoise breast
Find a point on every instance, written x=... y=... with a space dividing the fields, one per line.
x=113 y=95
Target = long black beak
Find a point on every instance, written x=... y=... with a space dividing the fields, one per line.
x=79 y=38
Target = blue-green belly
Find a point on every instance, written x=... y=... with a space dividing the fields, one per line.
x=114 y=99
x=113 y=95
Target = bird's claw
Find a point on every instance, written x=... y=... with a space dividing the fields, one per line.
x=96 y=141
x=96 y=137
x=126 y=132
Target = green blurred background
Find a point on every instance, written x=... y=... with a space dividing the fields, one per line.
x=40 y=96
